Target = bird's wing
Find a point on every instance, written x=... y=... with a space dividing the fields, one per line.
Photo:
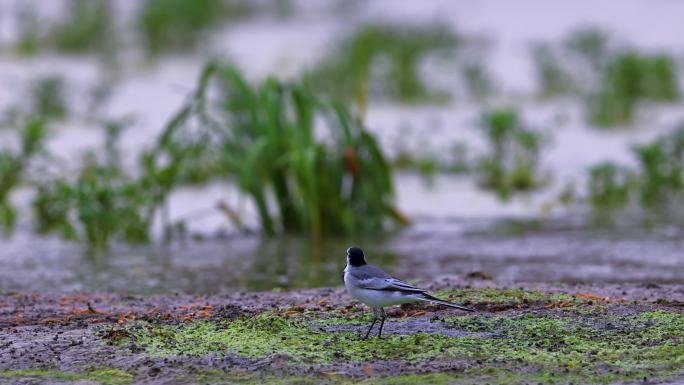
x=388 y=284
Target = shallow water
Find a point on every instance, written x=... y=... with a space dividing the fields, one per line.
x=509 y=251
x=456 y=229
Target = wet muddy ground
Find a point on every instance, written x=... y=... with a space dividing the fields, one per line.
x=527 y=333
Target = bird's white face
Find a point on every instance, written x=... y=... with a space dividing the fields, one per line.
x=348 y=256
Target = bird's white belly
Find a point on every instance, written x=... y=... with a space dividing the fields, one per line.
x=378 y=298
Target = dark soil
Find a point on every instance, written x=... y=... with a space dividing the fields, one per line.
x=67 y=333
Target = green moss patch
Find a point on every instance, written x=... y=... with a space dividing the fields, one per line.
x=330 y=378
x=268 y=334
x=102 y=375
x=541 y=346
x=598 y=348
x=513 y=298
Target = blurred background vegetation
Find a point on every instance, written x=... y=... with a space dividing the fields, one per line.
x=115 y=111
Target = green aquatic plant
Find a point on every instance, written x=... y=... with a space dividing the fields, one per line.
x=657 y=180
x=303 y=176
x=49 y=98
x=609 y=185
x=88 y=27
x=428 y=162
x=551 y=77
x=661 y=173
x=573 y=66
x=478 y=80
x=52 y=209
x=512 y=162
x=631 y=78
x=101 y=205
x=612 y=81
x=382 y=61
x=308 y=165
x=175 y=25
x=109 y=204
x=14 y=162
x=28 y=30
x=591 y=47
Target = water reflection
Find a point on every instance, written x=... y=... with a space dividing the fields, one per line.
x=510 y=250
x=296 y=262
x=212 y=266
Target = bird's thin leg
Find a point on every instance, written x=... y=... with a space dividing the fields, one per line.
x=382 y=321
x=375 y=318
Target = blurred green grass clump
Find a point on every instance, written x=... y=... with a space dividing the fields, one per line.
x=512 y=161
x=49 y=98
x=30 y=135
x=101 y=205
x=657 y=182
x=177 y=25
x=612 y=81
x=609 y=185
x=383 y=61
x=308 y=165
x=88 y=26
x=96 y=26
x=629 y=79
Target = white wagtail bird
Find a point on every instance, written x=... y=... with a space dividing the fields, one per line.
x=377 y=289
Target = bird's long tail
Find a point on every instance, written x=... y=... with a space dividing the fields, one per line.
x=429 y=298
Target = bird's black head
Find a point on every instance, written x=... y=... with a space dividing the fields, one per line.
x=355 y=256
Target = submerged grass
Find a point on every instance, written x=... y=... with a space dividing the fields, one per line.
x=102 y=204
x=91 y=26
x=382 y=61
x=30 y=135
x=28 y=30
x=629 y=79
x=594 y=347
x=87 y=28
x=175 y=25
x=49 y=98
x=428 y=162
x=512 y=163
x=572 y=66
x=661 y=173
x=611 y=80
x=656 y=182
x=609 y=185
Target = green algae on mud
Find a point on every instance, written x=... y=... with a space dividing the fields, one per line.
x=602 y=348
x=101 y=375
x=532 y=346
x=510 y=297
x=330 y=378
x=270 y=334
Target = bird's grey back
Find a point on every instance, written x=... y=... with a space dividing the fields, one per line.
x=368 y=271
